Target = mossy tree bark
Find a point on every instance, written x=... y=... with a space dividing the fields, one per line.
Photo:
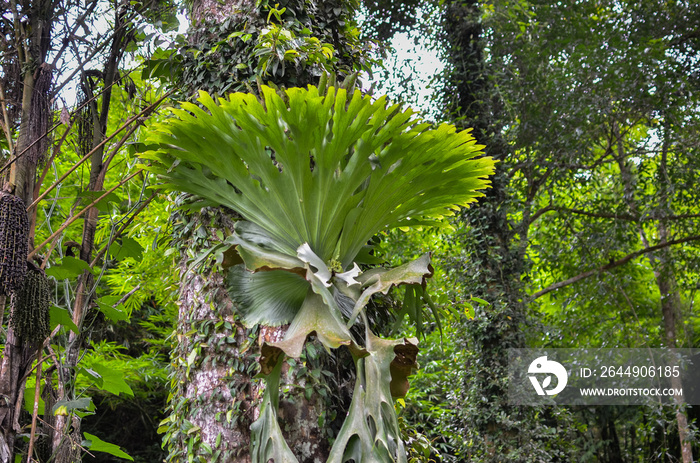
x=496 y=244
x=214 y=397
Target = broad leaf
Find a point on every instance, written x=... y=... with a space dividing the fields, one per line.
x=320 y=318
x=371 y=431
x=112 y=380
x=64 y=407
x=113 y=312
x=271 y=298
x=129 y=247
x=381 y=280
x=328 y=170
x=60 y=316
x=267 y=440
x=96 y=444
x=70 y=267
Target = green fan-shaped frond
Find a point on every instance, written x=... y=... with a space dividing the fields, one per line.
x=328 y=170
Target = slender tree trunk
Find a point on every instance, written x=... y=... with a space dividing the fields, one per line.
x=29 y=149
x=66 y=435
x=662 y=264
x=496 y=264
x=671 y=313
x=670 y=295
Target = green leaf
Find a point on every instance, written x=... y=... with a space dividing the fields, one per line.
x=113 y=313
x=257 y=257
x=112 y=380
x=59 y=316
x=384 y=167
x=315 y=316
x=64 y=407
x=371 y=431
x=268 y=443
x=365 y=256
x=129 y=247
x=96 y=444
x=381 y=280
x=29 y=399
x=271 y=298
x=70 y=267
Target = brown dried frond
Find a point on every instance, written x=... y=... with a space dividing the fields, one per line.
x=14 y=227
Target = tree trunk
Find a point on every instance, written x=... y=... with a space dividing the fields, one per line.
x=496 y=263
x=662 y=263
x=30 y=147
x=66 y=434
x=214 y=398
x=669 y=294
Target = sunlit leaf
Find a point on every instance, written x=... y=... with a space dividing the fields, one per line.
x=112 y=380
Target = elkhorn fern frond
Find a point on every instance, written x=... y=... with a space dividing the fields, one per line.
x=328 y=170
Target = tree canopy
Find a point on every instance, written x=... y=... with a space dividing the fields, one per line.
x=183 y=211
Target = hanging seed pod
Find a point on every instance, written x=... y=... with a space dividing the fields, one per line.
x=29 y=307
x=14 y=227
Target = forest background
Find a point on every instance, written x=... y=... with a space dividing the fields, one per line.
x=588 y=236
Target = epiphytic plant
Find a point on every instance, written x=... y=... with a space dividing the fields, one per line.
x=316 y=173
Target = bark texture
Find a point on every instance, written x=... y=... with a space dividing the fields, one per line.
x=31 y=144
x=214 y=394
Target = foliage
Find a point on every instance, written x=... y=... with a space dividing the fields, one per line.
x=386 y=170
x=591 y=107
x=294 y=44
x=589 y=183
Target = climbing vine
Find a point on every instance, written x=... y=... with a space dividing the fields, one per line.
x=289 y=45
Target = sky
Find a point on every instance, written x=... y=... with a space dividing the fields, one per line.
x=418 y=62
x=411 y=56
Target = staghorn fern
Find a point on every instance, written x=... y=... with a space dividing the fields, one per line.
x=316 y=174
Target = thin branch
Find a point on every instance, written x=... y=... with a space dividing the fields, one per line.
x=676 y=217
x=75 y=217
x=128 y=295
x=121 y=229
x=600 y=215
x=70 y=32
x=611 y=265
x=540 y=212
x=26 y=150
x=99 y=48
x=115 y=150
x=145 y=111
x=610 y=215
